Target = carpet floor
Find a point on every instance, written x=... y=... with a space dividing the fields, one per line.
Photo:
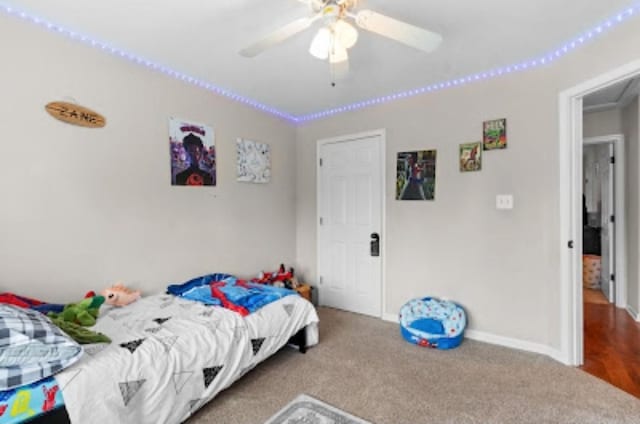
x=364 y=367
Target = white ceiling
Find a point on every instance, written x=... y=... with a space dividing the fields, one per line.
x=201 y=38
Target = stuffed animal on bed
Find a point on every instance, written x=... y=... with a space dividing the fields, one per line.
x=119 y=295
x=82 y=313
x=76 y=316
x=279 y=278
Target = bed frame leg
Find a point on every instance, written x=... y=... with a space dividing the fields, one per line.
x=300 y=340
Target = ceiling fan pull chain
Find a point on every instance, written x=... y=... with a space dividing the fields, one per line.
x=332 y=73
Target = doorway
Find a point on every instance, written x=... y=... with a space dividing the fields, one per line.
x=571 y=207
x=351 y=193
x=603 y=173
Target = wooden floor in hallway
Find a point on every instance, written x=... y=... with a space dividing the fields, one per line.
x=611 y=343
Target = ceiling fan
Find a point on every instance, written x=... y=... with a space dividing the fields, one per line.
x=337 y=34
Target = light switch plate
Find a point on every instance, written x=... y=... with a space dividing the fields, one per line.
x=504 y=201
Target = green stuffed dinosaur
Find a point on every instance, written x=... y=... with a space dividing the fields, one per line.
x=75 y=316
x=82 y=313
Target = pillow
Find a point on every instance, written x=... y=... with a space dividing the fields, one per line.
x=31 y=347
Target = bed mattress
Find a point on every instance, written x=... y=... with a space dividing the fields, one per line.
x=170 y=356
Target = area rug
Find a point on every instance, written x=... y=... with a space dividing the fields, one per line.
x=305 y=409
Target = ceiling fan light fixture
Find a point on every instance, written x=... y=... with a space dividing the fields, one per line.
x=321 y=44
x=346 y=33
x=337 y=53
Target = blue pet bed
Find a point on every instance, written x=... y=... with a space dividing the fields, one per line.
x=433 y=323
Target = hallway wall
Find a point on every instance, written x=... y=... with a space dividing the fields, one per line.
x=631 y=130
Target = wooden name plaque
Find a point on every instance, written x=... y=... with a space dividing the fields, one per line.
x=75 y=114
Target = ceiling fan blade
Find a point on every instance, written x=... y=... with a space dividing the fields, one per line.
x=314 y=4
x=278 y=36
x=403 y=32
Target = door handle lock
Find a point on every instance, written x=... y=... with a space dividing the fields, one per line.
x=375 y=244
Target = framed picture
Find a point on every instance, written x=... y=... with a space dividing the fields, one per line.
x=193 y=154
x=416 y=175
x=471 y=157
x=254 y=161
x=494 y=134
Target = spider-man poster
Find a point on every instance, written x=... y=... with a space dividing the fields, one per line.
x=193 y=154
x=416 y=175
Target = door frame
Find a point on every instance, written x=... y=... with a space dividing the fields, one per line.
x=381 y=133
x=620 y=230
x=570 y=198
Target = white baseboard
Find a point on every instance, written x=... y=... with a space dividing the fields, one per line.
x=390 y=317
x=634 y=314
x=509 y=342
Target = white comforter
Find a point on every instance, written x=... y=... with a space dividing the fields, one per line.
x=169 y=356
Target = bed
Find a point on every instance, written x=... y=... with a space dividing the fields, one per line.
x=170 y=356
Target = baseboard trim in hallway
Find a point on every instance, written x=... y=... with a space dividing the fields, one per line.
x=634 y=314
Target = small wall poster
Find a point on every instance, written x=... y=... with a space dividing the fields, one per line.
x=494 y=134
x=416 y=175
x=193 y=154
x=471 y=157
x=254 y=161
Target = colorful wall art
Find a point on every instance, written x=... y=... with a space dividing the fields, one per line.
x=416 y=175
x=254 y=161
x=494 y=134
x=471 y=157
x=193 y=154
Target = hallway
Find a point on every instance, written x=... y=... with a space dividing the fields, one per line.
x=611 y=343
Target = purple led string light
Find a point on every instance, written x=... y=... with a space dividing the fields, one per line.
x=144 y=62
x=525 y=65
x=517 y=67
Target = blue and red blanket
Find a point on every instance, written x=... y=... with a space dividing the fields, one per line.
x=29 y=303
x=229 y=292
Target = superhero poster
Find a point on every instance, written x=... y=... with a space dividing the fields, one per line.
x=193 y=154
x=416 y=175
x=494 y=134
x=471 y=157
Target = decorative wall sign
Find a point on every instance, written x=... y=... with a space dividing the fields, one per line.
x=494 y=134
x=471 y=157
x=254 y=161
x=193 y=154
x=75 y=114
x=416 y=175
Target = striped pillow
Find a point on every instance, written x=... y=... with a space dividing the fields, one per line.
x=31 y=347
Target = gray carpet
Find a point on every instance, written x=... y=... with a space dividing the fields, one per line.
x=364 y=367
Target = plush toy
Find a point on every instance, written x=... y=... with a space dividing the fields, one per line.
x=279 y=278
x=293 y=281
x=119 y=295
x=82 y=313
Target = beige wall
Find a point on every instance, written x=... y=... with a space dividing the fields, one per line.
x=606 y=122
x=630 y=123
x=82 y=208
x=503 y=266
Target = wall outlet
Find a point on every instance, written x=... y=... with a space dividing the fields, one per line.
x=504 y=201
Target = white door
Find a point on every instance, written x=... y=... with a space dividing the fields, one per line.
x=350 y=195
x=607 y=233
